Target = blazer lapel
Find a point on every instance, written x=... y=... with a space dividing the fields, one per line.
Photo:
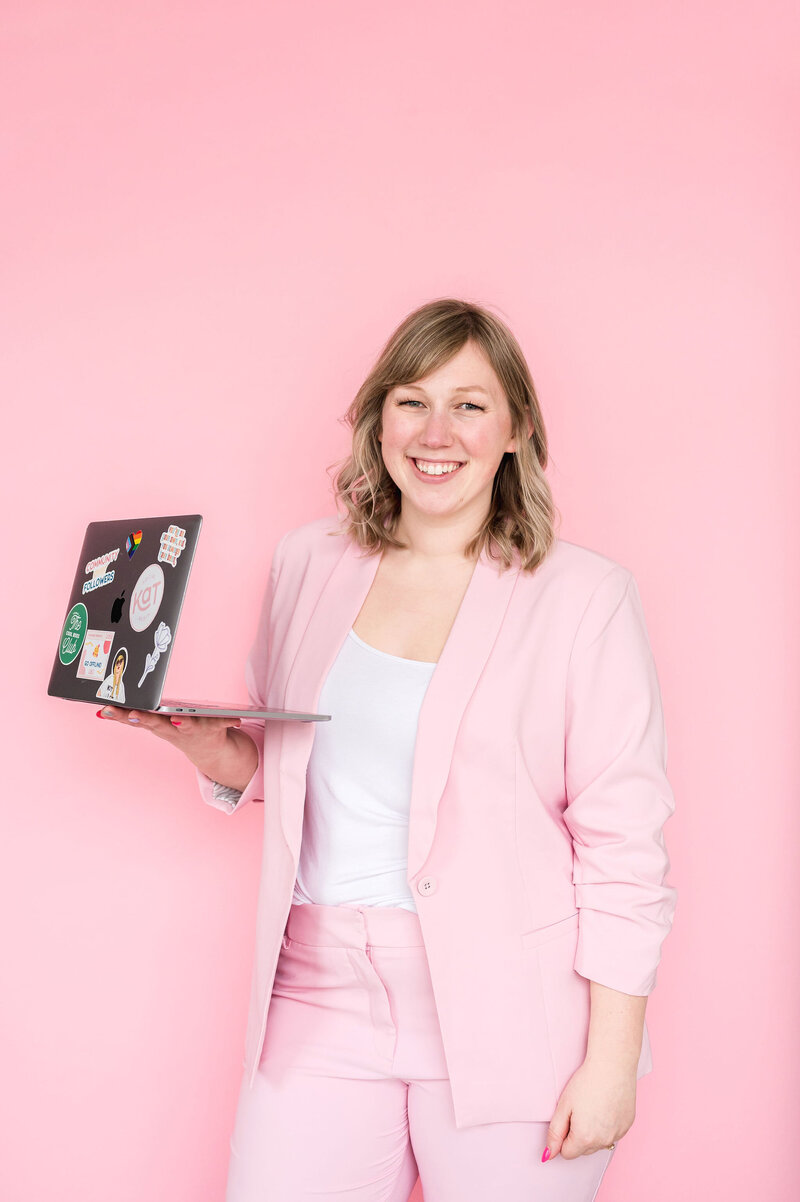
x=472 y=636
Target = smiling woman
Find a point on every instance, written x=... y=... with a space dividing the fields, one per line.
x=464 y=896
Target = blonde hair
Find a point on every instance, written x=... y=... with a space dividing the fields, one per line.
x=522 y=513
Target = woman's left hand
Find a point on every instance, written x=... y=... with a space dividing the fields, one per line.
x=597 y=1106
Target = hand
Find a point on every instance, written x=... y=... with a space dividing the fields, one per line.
x=597 y=1106
x=212 y=744
x=190 y=734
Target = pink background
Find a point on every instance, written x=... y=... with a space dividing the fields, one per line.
x=213 y=216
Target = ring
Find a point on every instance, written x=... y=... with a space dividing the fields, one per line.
x=609 y=1146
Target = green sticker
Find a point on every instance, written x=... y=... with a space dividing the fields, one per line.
x=73 y=634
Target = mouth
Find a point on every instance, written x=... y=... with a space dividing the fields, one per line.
x=435 y=469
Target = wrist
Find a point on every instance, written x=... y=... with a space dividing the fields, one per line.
x=622 y=1062
x=232 y=761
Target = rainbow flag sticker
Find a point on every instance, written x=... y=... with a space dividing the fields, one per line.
x=132 y=542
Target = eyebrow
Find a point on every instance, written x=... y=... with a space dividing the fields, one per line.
x=462 y=388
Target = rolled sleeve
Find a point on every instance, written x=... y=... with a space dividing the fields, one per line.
x=618 y=794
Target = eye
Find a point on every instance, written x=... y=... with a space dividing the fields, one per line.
x=414 y=401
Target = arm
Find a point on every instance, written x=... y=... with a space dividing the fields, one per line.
x=214 y=745
x=226 y=752
x=618 y=794
x=237 y=777
x=618 y=799
x=232 y=764
x=616 y=1027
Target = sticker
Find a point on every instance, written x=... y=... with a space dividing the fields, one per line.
x=116 y=608
x=73 y=634
x=94 y=657
x=172 y=543
x=100 y=575
x=162 y=639
x=112 y=688
x=132 y=542
x=146 y=598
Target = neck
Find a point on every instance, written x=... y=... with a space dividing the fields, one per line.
x=439 y=541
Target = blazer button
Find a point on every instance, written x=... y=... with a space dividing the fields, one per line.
x=426 y=885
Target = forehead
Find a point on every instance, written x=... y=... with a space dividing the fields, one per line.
x=467 y=370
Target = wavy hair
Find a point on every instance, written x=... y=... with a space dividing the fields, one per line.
x=521 y=518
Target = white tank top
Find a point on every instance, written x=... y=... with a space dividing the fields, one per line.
x=354 y=850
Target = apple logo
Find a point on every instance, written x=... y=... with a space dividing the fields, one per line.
x=116 y=608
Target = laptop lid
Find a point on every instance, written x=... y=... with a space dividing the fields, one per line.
x=124 y=608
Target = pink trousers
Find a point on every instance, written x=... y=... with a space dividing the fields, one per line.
x=352 y=1102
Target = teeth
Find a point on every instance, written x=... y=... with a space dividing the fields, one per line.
x=436 y=469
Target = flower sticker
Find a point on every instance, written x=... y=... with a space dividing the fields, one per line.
x=161 y=639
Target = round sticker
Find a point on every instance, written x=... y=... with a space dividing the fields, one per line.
x=73 y=634
x=146 y=598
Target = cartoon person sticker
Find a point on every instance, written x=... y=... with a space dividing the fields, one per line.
x=112 y=688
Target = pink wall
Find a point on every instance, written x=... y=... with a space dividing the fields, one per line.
x=213 y=215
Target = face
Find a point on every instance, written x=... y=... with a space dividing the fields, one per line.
x=443 y=437
x=119 y=663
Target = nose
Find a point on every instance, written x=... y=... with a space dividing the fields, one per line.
x=436 y=431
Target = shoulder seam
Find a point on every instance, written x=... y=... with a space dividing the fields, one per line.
x=615 y=568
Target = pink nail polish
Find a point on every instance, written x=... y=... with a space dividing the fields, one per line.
x=99 y=714
x=175 y=721
x=546 y=1155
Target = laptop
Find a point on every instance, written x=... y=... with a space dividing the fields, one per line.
x=123 y=613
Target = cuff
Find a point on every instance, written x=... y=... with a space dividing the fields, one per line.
x=225 y=797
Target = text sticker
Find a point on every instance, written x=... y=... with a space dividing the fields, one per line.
x=146 y=598
x=94 y=657
x=73 y=634
x=172 y=543
x=99 y=571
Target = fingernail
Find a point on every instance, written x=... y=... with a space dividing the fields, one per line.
x=546 y=1155
x=175 y=721
x=100 y=714
x=133 y=719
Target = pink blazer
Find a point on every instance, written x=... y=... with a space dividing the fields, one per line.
x=536 y=852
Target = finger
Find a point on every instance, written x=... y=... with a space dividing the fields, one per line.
x=141 y=719
x=186 y=725
x=182 y=725
x=157 y=724
x=557 y=1133
x=113 y=713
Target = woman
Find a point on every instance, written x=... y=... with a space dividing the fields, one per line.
x=463 y=893
x=113 y=688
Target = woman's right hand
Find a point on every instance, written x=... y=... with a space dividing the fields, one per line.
x=214 y=745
